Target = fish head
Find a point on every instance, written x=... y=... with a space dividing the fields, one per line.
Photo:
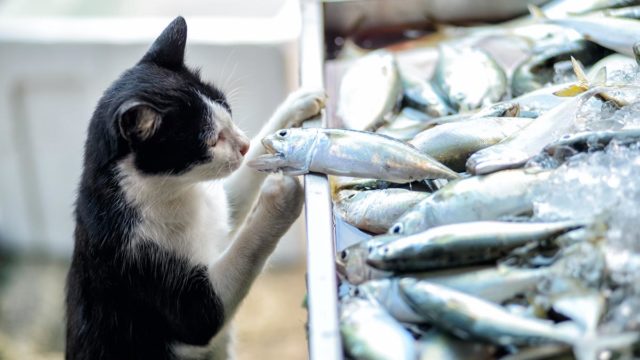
x=410 y=223
x=288 y=150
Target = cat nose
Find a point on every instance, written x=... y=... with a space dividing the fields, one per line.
x=244 y=148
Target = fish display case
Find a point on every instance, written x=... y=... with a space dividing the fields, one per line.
x=325 y=26
x=330 y=31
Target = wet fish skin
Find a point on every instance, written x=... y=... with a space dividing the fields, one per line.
x=617 y=34
x=538 y=71
x=438 y=345
x=468 y=78
x=496 y=284
x=592 y=140
x=375 y=210
x=370 y=91
x=461 y=244
x=406 y=124
x=369 y=332
x=453 y=143
x=347 y=153
x=422 y=96
x=470 y=317
x=472 y=199
x=515 y=150
x=351 y=262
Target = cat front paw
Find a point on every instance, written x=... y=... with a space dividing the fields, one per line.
x=282 y=196
x=302 y=105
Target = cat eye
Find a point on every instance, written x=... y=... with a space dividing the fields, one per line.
x=283 y=133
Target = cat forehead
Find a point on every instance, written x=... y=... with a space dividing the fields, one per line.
x=217 y=112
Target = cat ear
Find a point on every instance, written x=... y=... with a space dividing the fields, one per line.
x=138 y=120
x=168 y=49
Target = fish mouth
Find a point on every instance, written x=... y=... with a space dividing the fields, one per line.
x=268 y=162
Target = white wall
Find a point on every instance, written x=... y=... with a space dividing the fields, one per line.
x=54 y=69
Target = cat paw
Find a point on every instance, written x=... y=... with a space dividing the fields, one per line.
x=302 y=105
x=282 y=196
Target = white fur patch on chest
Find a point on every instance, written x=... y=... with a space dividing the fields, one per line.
x=189 y=219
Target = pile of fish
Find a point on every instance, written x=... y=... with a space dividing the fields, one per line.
x=497 y=195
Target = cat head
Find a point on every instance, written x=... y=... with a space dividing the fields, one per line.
x=164 y=120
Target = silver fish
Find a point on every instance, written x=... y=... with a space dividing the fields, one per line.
x=469 y=78
x=564 y=8
x=629 y=12
x=617 y=34
x=438 y=345
x=495 y=284
x=461 y=244
x=369 y=332
x=351 y=262
x=472 y=199
x=592 y=140
x=470 y=317
x=406 y=124
x=375 y=210
x=515 y=150
x=422 y=96
x=453 y=143
x=613 y=62
x=370 y=91
x=347 y=153
x=501 y=109
x=538 y=71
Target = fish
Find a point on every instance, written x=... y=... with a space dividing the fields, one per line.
x=468 y=317
x=492 y=283
x=351 y=262
x=422 y=95
x=462 y=244
x=591 y=141
x=375 y=210
x=538 y=70
x=370 y=91
x=564 y=8
x=475 y=198
x=612 y=63
x=407 y=124
x=347 y=153
x=370 y=333
x=438 y=345
x=521 y=146
x=629 y=12
x=468 y=78
x=453 y=143
x=501 y=109
x=617 y=34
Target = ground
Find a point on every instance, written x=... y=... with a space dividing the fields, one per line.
x=269 y=325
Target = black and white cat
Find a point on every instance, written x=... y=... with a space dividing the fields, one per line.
x=162 y=194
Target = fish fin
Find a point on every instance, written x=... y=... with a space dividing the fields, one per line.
x=581 y=86
x=570 y=91
x=600 y=78
x=536 y=12
x=580 y=74
x=588 y=346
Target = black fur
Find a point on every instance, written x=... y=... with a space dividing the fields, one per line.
x=125 y=303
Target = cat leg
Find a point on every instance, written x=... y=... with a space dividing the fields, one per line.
x=242 y=186
x=278 y=206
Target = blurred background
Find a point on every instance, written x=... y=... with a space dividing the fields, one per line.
x=56 y=58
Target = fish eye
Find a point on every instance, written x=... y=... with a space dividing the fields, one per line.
x=344 y=254
x=283 y=133
x=356 y=292
x=396 y=229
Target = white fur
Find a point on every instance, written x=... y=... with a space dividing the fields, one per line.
x=190 y=214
